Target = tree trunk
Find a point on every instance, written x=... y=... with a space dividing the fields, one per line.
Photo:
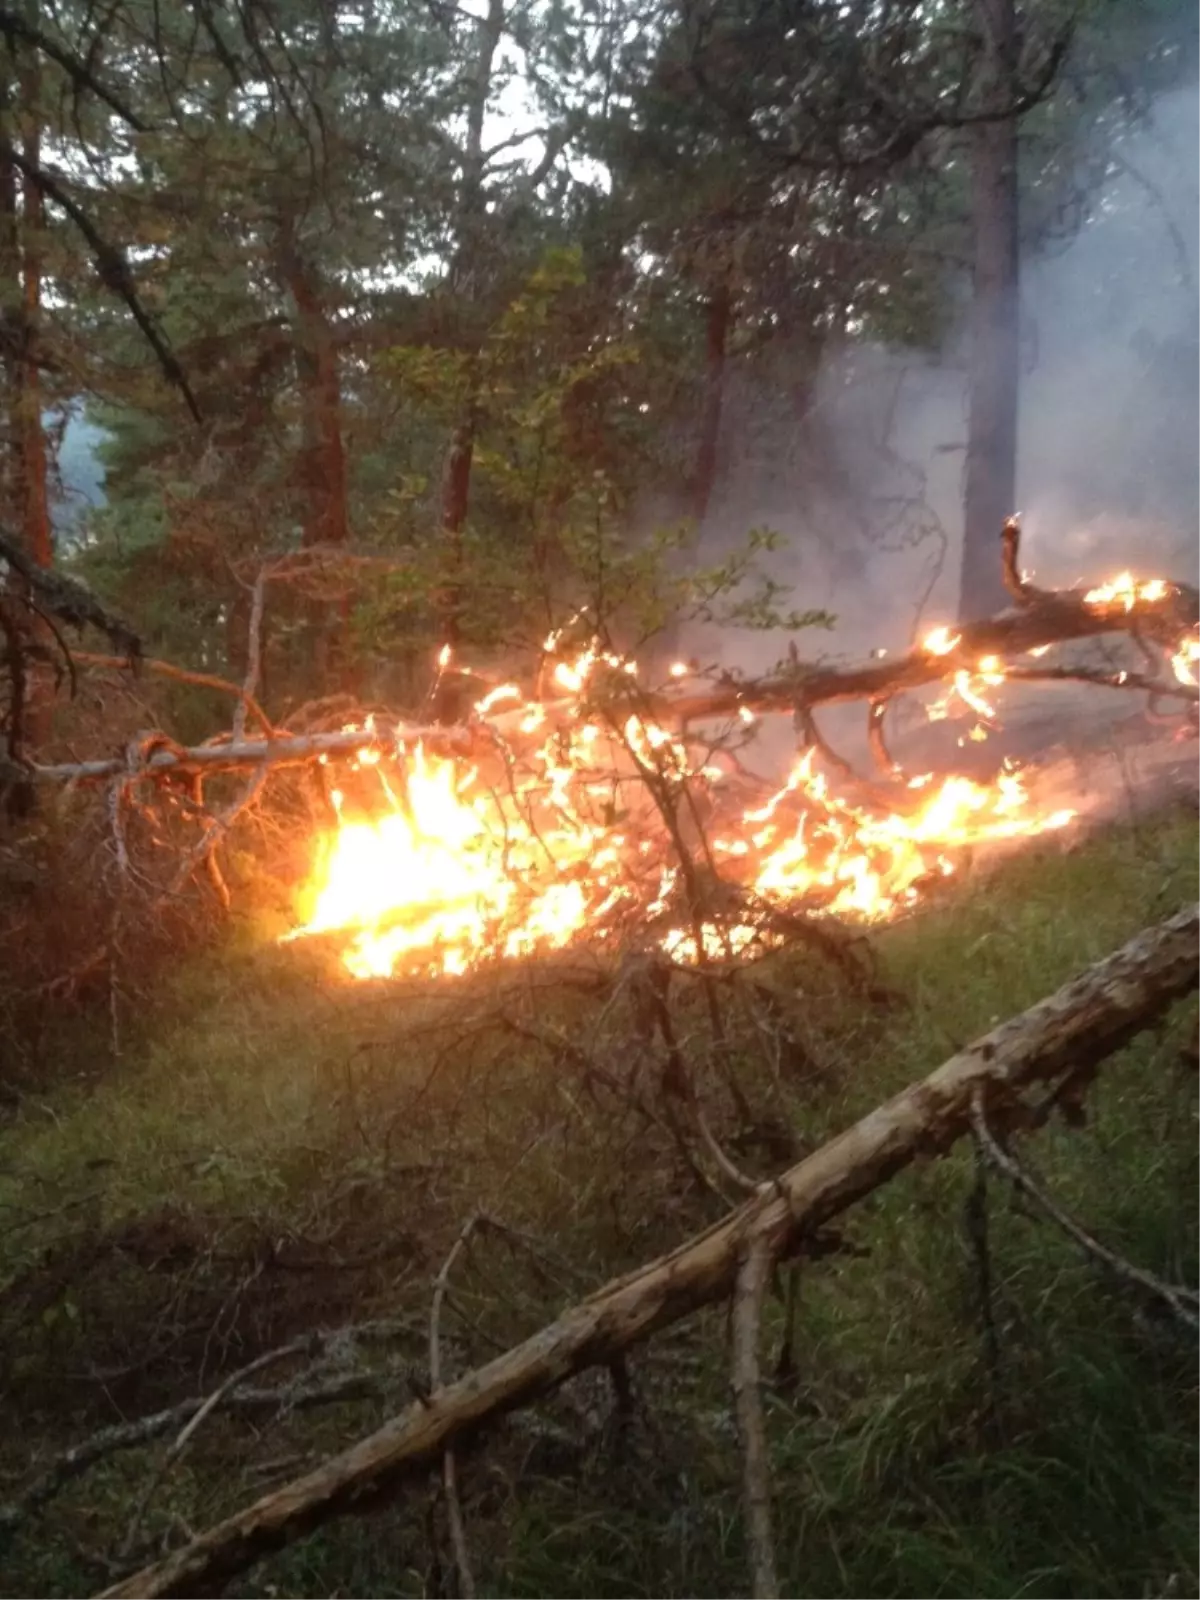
x=11 y=297
x=24 y=471
x=323 y=456
x=456 y=500
x=322 y=474
x=995 y=356
x=718 y=321
x=463 y=281
x=31 y=439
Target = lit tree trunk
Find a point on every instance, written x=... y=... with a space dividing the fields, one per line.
x=718 y=321
x=992 y=423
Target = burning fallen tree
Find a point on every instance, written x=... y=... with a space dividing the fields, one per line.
x=594 y=808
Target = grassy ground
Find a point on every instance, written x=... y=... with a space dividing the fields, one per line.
x=277 y=1151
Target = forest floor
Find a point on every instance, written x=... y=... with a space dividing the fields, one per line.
x=279 y=1149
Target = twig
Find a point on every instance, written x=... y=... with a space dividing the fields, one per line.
x=166 y=669
x=454 y=1516
x=1184 y=1303
x=299 y=1393
x=731 y=1170
x=253 y=659
x=754 y=1272
x=192 y=1426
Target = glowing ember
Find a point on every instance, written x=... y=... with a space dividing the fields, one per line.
x=453 y=865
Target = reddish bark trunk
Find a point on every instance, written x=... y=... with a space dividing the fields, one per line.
x=25 y=477
x=994 y=378
x=31 y=441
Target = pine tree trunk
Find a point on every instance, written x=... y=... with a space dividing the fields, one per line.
x=35 y=502
x=322 y=475
x=323 y=465
x=718 y=322
x=456 y=499
x=464 y=281
x=992 y=423
x=24 y=479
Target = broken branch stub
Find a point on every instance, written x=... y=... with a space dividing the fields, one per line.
x=1074 y=1028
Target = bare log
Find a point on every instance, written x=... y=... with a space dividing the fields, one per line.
x=289 y=750
x=1070 y=1031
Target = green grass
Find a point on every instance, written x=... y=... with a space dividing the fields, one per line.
x=279 y=1149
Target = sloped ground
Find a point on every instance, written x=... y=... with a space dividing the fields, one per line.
x=281 y=1150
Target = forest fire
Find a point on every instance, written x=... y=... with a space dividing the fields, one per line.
x=441 y=863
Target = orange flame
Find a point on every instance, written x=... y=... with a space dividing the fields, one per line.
x=449 y=868
x=1125 y=591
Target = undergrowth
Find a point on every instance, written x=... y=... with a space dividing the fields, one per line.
x=280 y=1149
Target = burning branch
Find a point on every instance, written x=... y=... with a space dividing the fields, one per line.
x=1165 y=612
x=601 y=808
x=1073 y=1029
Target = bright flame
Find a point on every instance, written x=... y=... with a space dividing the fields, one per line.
x=1125 y=591
x=446 y=865
x=1185 y=663
x=940 y=641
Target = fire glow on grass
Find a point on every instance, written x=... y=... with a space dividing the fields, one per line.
x=452 y=863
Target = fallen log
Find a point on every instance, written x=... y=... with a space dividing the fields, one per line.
x=1066 y=1035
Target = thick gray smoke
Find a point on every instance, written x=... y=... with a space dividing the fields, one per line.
x=1108 y=429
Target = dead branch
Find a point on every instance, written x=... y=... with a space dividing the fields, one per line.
x=309 y=1388
x=454 y=1516
x=1080 y=1024
x=192 y=1426
x=1042 y=618
x=253 y=658
x=1183 y=1303
x=754 y=1273
x=201 y=680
